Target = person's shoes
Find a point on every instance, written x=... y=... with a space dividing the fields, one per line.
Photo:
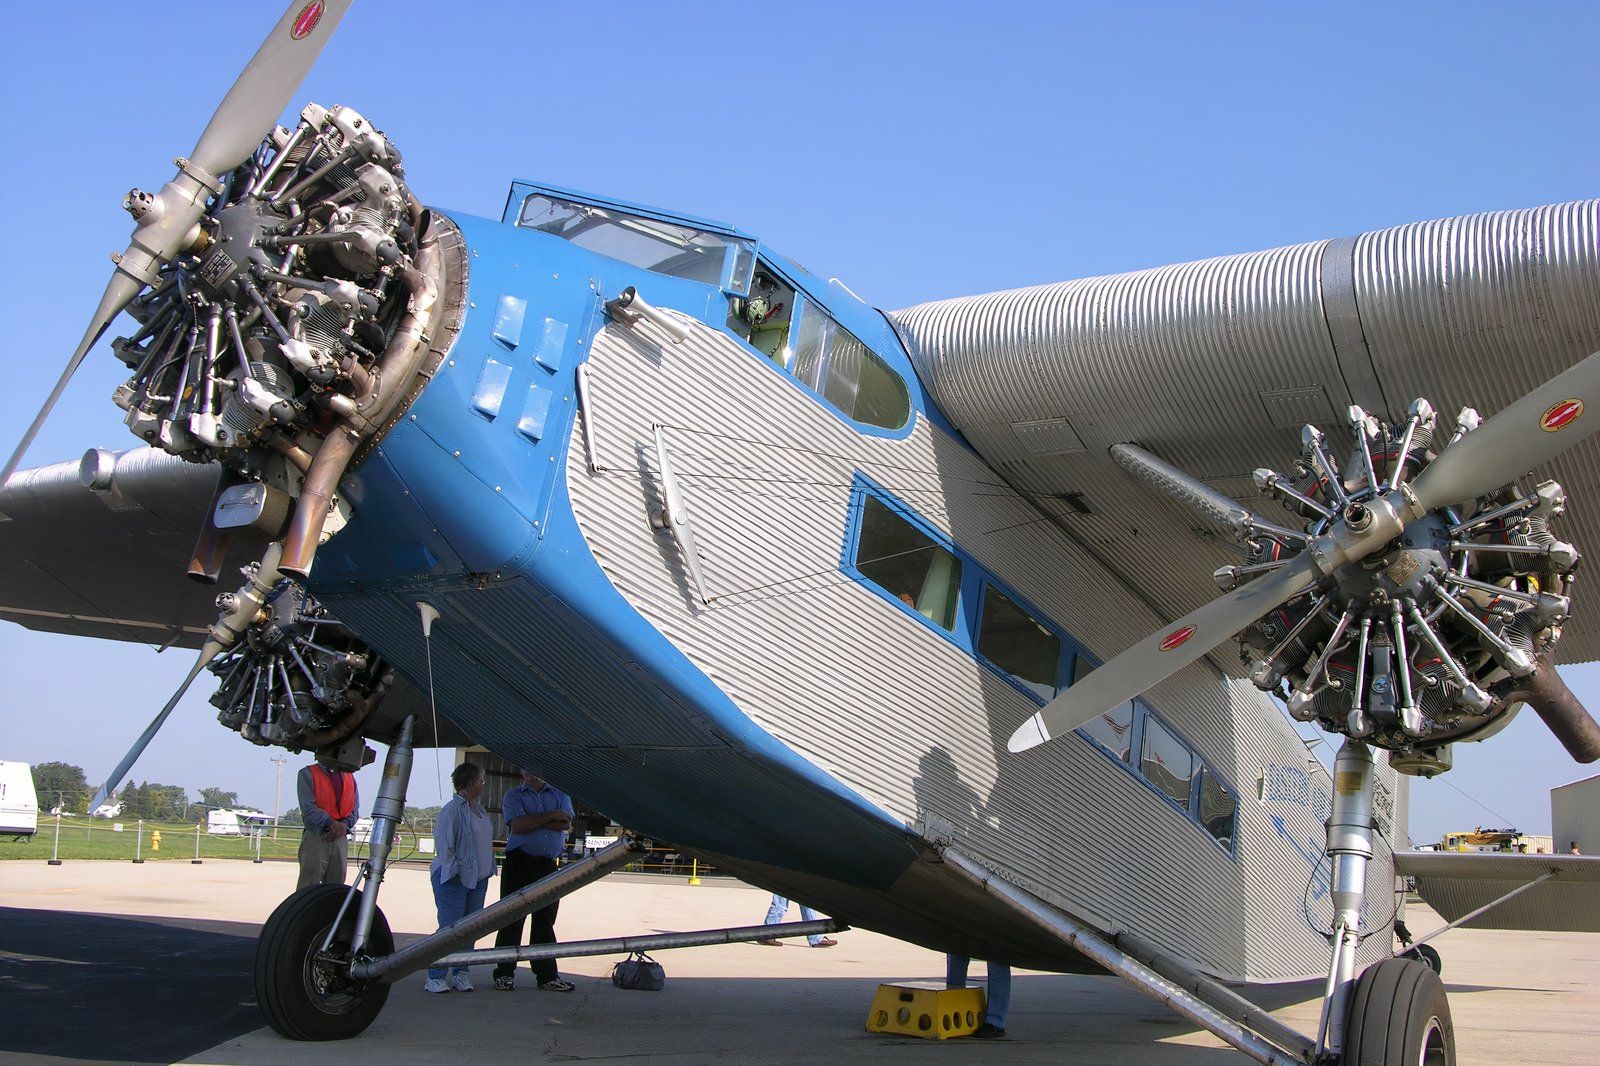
x=771 y=942
x=825 y=942
x=989 y=1032
x=435 y=984
x=505 y=983
x=558 y=985
x=460 y=982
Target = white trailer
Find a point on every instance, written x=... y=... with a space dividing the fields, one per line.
x=19 y=805
x=225 y=822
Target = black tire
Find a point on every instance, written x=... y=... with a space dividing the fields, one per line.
x=1399 y=1016
x=1426 y=953
x=301 y=1000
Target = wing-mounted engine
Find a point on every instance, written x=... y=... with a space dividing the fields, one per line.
x=1438 y=638
x=298 y=677
x=1434 y=637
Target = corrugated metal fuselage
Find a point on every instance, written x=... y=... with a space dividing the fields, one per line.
x=803 y=730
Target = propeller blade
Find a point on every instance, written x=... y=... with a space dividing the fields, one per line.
x=1164 y=653
x=269 y=80
x=1531 y=431
x=117 y=294
x=244 y=117
x=207 y=653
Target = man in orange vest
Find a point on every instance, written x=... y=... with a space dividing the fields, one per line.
x=328 y=806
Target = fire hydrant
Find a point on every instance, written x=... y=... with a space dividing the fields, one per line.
x=155 y=840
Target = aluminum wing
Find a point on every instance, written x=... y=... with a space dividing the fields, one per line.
x=108 y=558
x=1560 y=893
x=1214 y=367
x=100 y=548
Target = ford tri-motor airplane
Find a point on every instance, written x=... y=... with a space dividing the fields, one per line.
x=909 y=615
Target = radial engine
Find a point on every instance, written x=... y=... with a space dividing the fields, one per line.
x=1433 y=640
x=299 y=318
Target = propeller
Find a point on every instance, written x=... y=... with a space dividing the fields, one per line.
x=1530 y=431
x=239 y=610
x=167 y=222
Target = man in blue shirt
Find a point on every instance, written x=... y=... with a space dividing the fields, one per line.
x=538 y=818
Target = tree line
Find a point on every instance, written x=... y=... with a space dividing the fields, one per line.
x=60 y=783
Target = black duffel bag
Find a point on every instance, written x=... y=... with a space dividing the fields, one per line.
x=639 y=971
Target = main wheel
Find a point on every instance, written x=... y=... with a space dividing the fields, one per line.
x=304 y=992
x=1399 y=1016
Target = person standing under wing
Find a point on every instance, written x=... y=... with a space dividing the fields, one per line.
x=538 y=817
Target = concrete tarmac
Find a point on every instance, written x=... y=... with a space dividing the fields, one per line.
x=150 y=963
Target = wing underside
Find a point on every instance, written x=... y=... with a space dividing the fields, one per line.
x=1560 y=893
x=1214 y=367
x=101 y=549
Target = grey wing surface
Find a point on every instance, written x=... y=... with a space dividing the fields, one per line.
x=101 y=549
x=1214 y=366
x=1560 y=893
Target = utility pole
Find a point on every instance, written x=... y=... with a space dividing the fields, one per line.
x=277 y=789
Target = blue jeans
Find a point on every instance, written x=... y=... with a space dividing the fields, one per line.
x=455 y=901
x=955 y=976
x=780 y=910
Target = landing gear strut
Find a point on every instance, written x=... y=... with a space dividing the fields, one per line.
x=326 y=958
x=1396 y=1011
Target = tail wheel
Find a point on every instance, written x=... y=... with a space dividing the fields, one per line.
x=1399 y=1016
x=1426 y=953
x=304 y=992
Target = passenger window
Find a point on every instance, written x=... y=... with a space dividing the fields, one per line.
x=1010 y=638
x=1166 y=762
x=1218 y=809
x=906 y=563
x=1112 y=730
x=847 y=373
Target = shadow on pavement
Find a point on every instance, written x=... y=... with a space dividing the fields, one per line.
x=88 y=986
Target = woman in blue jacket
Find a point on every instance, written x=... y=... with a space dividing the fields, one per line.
x=463 y=861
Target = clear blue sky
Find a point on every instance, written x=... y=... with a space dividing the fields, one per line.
x=915 y=150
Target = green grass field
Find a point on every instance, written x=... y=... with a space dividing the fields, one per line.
x=83 y=838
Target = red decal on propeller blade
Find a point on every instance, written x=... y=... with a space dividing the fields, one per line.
x=307 y=20
x=1561 y=415
x=1176 y=637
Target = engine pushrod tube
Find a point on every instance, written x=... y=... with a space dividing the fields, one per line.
x=496 y=916
x=1499 y=512
x=1095 y=947
x=1493 y=590
x=659 y=942
x=1498 y=549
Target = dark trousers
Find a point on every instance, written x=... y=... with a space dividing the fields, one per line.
x=519 y=871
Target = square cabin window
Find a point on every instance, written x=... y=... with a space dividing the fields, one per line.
x=907 y=564
x=1009 y=637
x=1166 y=762
x=1112 y=730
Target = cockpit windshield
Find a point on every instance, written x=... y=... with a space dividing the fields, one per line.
x=664 y=247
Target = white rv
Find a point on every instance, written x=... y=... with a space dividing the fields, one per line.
x=19 y=806
x=233 y=823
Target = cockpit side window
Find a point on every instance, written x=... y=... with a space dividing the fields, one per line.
x=847 y=373
x=799 y=336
